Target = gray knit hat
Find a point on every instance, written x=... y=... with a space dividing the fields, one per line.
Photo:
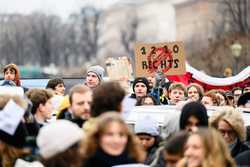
x=147 y=125
x=98 y=70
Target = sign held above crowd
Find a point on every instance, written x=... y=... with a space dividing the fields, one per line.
x=168 y=58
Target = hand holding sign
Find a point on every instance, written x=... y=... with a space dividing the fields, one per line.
x=161 y=57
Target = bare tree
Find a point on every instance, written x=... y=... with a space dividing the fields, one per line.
x=237 y=14
x=129 y=34
x=89 y=20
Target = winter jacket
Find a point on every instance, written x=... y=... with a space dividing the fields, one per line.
x=102 y=159
x=238 y=148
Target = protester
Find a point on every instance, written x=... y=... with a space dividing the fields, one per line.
x=140 y=87
x=57 y=85
x=94 y=76
x=59 y=144
x=107 y=97
x=204 y=148
x=111 y=143
x=12 y=73
x=146 y=100
x=147 y=130
x=172 y=151
x=195 y=92
x=41 y=104
x=230 y=98
x=164 y=98
x=237 y=91
x=174 y=148
x=210 y=99
x=13 y=145
x=246 y=89
x=80 y=99
x=177 y=92
x=244 y=100
x=193 y=115
x=230 y=124
x=221 y=97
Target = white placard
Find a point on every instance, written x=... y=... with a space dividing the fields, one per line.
x=10 y=117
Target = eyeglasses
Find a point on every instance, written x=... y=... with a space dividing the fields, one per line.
x=228 y=132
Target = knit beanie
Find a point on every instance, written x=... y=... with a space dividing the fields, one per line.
x=142 y=80
x=147 y=125
x=57 y=137
x=195 y=109
x=98 y=70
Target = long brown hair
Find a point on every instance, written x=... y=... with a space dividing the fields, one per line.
x=10 y=154
x=218 y=154
x=14 y=67
x=92 y=141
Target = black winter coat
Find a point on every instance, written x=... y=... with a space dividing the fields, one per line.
x=238 y=148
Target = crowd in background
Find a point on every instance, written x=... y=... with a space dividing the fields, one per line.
x=87 y=126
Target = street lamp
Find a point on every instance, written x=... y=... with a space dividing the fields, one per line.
x=236 y=50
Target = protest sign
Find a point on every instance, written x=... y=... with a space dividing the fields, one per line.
x=168 y=58
x=119 y=69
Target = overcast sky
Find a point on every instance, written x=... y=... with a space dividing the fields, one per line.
x=60 y=7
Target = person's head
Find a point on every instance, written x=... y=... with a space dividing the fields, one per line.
x=206 y=147
x=140 y=87
x=41 y=102
x=237 y=91
x=151 y=81
x=12 y=146
x=195 y=92
x=80 y=98
x=246 y=89
x=244 y=100
x=107 y=97
x=146 y=129
x=177 y=92
x=230 y=98
x=174 y=148
x=94 y=76
x=57 y=85
x=209 y=99
x=146 y=100
x=193 y=115
x=11 y=72
x=112 y=136
x=221 y=97
x=59 y=143
x=165 y=88
x=230 y=124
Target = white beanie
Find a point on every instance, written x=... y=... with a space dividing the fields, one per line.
x=147 y=125
x=98 y=70
x=57 y=137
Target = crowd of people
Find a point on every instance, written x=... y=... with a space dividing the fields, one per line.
x=86 y=127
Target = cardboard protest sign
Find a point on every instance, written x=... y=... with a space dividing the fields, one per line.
x=168 y=58
x=119 y=69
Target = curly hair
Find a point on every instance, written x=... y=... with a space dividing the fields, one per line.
x=92 y=140
x=232 y=117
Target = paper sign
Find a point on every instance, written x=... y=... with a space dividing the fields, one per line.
x=10 y=117
x=11 y=90
x=119 y=69
x=168 y=58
